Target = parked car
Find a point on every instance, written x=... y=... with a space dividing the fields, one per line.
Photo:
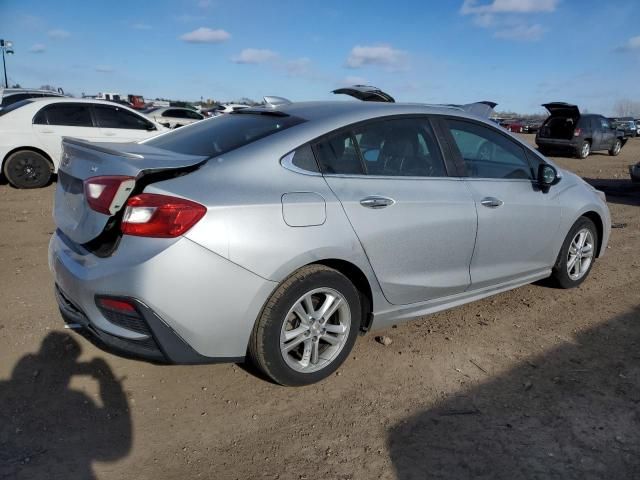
x=638 y=128
x=280 y=233
x=567 y=130
x=515 y=126
x=222 y=109
x=532 y=126
x=10 y=96
x=628 y=127
x=31 y=132
x=173 y=117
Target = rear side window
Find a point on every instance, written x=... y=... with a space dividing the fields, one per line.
x=338 y=155
x=114 y=117
x=11 y=99
x=65 y=114
x=220 y=135
x=304 y=159
x=14 y=106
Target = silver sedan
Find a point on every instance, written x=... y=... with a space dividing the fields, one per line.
x=278 y=234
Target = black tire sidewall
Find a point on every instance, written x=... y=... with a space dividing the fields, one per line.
x=613 y=152
x=42 y=180
x=581 y=148
x=272 y=320
x=560 y=274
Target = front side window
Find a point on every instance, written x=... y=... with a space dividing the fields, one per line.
x=65 y=114
x=193 y=115
x=115 y=117
x=604 y=123
x=488 y=154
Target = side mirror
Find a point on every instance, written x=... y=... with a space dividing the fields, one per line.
x=547 y=175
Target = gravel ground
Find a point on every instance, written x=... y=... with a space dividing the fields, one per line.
x=533 y=383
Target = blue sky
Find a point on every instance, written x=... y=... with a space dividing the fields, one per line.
x=519 y=53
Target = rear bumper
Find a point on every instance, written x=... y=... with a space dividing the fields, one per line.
x=196 y=306
x=558 y=144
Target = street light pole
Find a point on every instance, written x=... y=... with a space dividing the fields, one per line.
x=6 y=46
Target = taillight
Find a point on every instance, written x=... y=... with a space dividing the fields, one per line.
x=115 y=305
x=107 y=194
x=577 y=132
x=160 y=216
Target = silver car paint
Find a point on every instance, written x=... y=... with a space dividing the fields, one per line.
x=211 y=284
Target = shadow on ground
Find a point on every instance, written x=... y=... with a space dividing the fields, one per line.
x=50 y=431
x=622 y=191
x=573 y=413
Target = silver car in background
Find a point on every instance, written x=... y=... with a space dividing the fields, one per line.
x=280 y=233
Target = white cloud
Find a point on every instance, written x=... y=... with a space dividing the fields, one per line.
x=508 y=6
x=298 y=67
x=525 y=33
x=104 y=69
x=38 y=48
x=381 y=55
x=206 y=35
x=632 y=44
x=58 y=34
x=352 y=80
x=141 y=26
x=254 y=55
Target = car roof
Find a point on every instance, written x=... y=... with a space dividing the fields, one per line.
x=44 y=100
x=14 y=91
x=348 y=111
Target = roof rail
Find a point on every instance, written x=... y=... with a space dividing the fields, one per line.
x=273 y=102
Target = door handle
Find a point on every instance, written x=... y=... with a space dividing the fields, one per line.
x=377 y=202
x=46 y=131
x=491 y=202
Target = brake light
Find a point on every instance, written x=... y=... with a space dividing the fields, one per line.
x=115 y=305
x=107 y=194
x=577 y=132
x=160 y=216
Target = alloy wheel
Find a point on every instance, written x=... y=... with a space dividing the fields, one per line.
x=580 y=254
x=315 y=330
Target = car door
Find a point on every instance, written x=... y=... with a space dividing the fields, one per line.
x=64 y=119
x=173 y=117
x=607 y=135
x=117 y=124
x=416 y=224
x=517 y=220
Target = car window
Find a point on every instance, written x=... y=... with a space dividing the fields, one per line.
x=220 y=135
x=10 y=99
x=193 y=115
x=487 y=153
x=338 y=155
x=400 y=147
x=115 y=117
x=170 y=113
x=604 y=123
x=65 y=114
x=304 y=159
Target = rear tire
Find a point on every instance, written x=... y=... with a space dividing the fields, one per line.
x=615 y=150
x=577 y=255
x=585 y=149
x=293 y=342
x=28 y=169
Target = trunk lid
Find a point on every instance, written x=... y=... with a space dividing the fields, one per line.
x=562 y=109
x=82 y=160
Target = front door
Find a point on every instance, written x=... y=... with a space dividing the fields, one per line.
x=517 y=221
x=117 y=124
x=416 y=224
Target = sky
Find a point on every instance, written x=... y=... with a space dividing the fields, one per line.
x=518 y=53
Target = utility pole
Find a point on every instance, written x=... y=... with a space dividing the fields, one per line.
x=7 y=48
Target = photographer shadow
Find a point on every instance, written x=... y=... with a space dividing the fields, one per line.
x=49 y=430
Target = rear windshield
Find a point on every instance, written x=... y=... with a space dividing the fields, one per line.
x=13 y=106
x=222 y=134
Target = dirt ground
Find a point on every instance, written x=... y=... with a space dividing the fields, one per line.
x=533 y=383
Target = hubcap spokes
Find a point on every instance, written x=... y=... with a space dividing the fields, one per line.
x=315 y=330
x=580 y=254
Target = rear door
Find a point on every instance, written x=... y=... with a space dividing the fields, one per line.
x=516 y=220
x=65 y=119
x=416 y=224
x=607 y=133
x=117 y=124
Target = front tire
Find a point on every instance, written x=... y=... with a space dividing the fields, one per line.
x=585 y=149
x=307 y=328
x=28 y=169
x=577 y=254
x=614 y=151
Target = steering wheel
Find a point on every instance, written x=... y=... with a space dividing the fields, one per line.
x=485 y=151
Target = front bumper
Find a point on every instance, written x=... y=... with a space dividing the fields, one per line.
x=197 y=307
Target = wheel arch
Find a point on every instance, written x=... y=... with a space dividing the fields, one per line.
x=31 y=149
x=360 y=281
x=597 y=220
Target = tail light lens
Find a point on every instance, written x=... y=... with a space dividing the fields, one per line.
x=577 y=132
x=160 y=216
x=107 y=194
